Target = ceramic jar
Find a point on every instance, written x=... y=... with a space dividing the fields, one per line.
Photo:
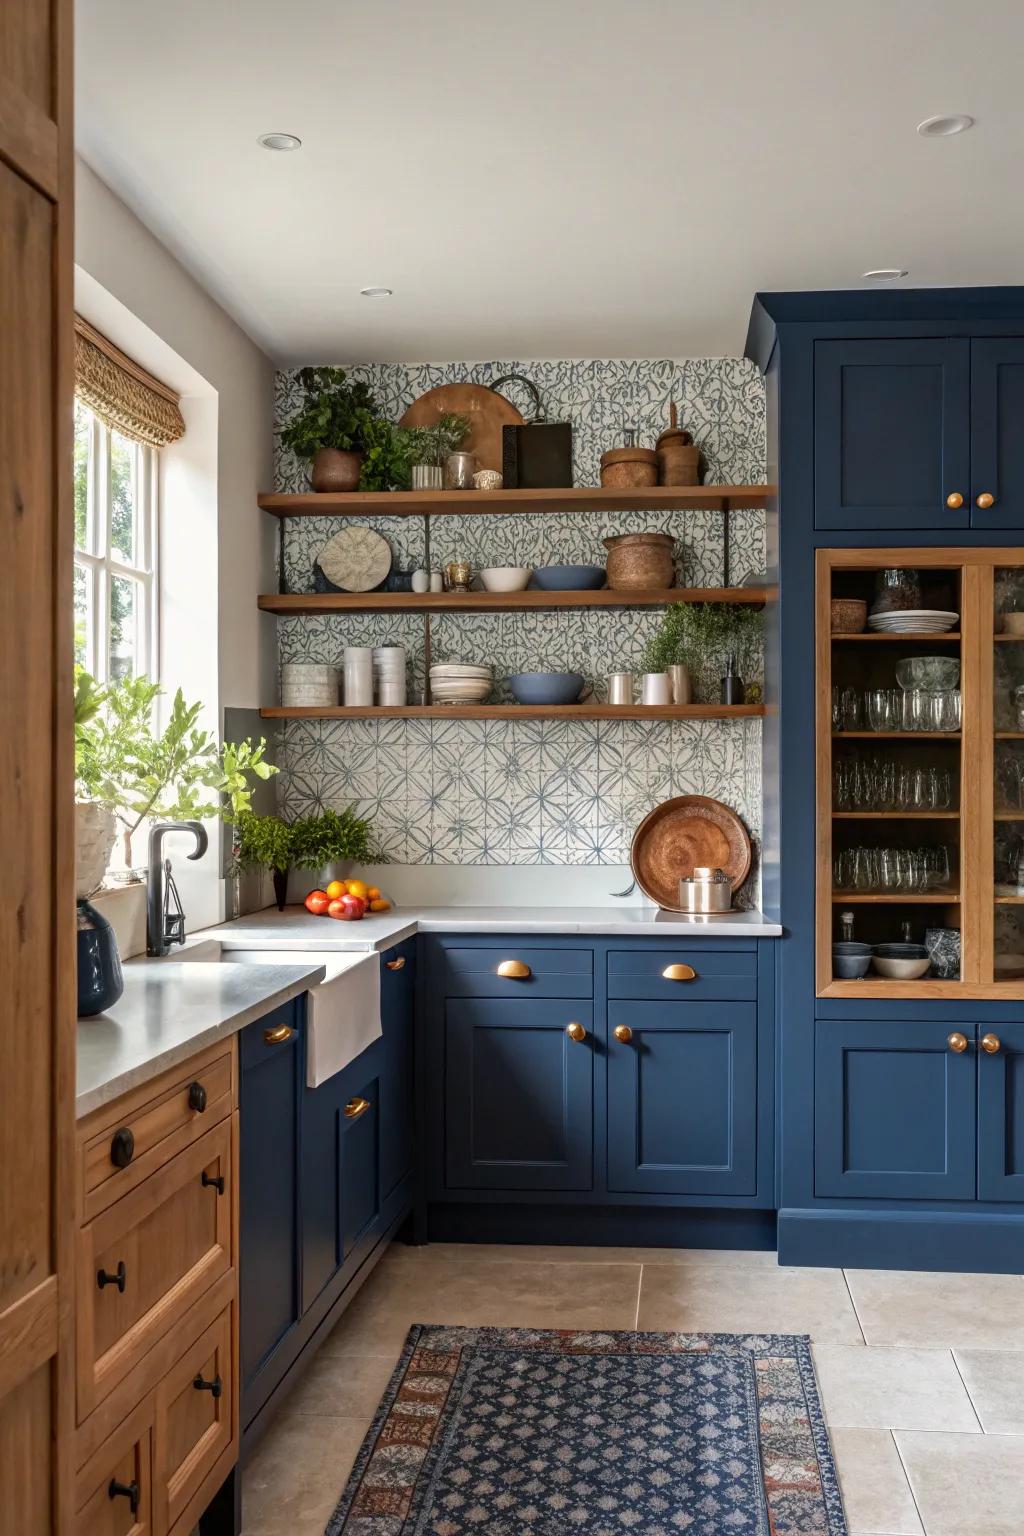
x=640 y=560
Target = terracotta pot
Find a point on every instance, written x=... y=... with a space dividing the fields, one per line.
x=640 y=560
x=335 y=469
x=629 y=468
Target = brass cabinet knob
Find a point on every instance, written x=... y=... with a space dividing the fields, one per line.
x=679 y=973
x=278 y=1035
x=517 y=970
x=356 y=1107
x=954 y=500
x=991 y=1044
x=575 y=1031
x=985 y=500
x=957 y=1042
x=623 y=1032
x=396 y=965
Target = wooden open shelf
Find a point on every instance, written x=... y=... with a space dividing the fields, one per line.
x=1009 y=901
x=1009 y=735
x=653 y=498
x=294 y=603
x=904 y=639
x=898 y=816
x=1008 y=639
x=519 y=712
x=882 y=736
x=896 y=898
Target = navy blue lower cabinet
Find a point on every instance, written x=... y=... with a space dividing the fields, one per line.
x=682 y=1097
x=272 y=1071
x=341 y=1180
x=519 y=1094
x=894 y=1110
x=398 y=1101
x=1001 y=1113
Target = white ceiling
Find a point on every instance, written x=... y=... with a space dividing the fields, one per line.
x=553 y=178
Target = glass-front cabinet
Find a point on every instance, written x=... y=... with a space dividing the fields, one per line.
x=920 y=773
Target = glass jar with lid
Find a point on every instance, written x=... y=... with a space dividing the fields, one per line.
x=896 y=589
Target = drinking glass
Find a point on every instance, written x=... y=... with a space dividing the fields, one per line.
x=837 y=718
x=939 y=868
x=890 y=871
x=849 y=710
x=917 y=711
x=945 y=710
x=879 y=708
x=940 y=789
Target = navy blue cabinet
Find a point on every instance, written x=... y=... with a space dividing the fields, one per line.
x=519 y=1094
x=1001 y=1113
x=398 y=1098
x=997 y=442
x=341 y=1178
x=682 y=1097
x=891 y=436
x=894 y=1110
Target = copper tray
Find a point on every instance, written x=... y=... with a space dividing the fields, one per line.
x=682 y=834
x=486 y=411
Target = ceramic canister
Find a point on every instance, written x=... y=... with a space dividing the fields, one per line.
x=657 y=688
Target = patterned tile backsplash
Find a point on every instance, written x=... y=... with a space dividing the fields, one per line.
x=533 y=792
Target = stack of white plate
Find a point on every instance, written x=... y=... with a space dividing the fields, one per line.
x=913 y=621
x=454 y=683
x=309 y=685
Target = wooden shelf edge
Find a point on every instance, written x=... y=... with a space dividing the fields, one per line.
x=896 y=898
x=898 y=816
x=896 y=736
x=558 y=499
x=911 y=991
x=294 y=604
x=519 y=712
x=910 y=639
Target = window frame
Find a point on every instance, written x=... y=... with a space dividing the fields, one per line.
x=103 y=563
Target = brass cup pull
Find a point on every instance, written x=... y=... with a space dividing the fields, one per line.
x=575 y=1031
x=985 y=500
x=356 y=1107
x=396 y=965
x=957 y=1042
x=278 y=1035
x=991 y=1044
x=623 y=1033
x=515 y=970
x=679 y=973
x=954 y=501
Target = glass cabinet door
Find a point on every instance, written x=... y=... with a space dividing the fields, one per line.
x=1008 y=774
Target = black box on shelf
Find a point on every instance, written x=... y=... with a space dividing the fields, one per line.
x=537 y=456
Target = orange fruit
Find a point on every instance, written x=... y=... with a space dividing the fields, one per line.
x=358 y=888
x=379 y=904
x=336 y=889
x=373 y=892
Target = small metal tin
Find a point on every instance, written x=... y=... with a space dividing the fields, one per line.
x=705 y=891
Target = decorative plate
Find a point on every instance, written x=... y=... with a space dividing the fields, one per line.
x=356 y=559
x=691 y=831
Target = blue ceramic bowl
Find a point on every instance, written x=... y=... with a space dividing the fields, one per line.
x=546 y=687
x=568 y=578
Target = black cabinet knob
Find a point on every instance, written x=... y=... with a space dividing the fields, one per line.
x=196 y=1097
x=118 y=1278
x=213 y=1387
x=216 y=1183
x=129 y=1491
x=122 y=1147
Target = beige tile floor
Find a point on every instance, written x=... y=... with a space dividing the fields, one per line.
x=921 y=1375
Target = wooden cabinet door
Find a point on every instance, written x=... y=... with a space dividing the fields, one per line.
x=682 y=1098
x=145 y=1260
x=894 y=1110
x=397 y=1106
x=891 y=434
x=997 y=443
x=519 y=1094
x=1001 y=1114
x=115 y=1487
x=194 y=1422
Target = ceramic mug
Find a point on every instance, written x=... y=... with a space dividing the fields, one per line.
x=657 y=688
x=421 y=581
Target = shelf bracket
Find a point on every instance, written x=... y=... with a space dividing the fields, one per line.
x=726 y=533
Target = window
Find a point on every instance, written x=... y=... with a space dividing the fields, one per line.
x=116 y=494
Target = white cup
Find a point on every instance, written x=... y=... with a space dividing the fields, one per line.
x=657 y=688
x=620 y=688
x=421 y=581
x=391 y=691
x=436 y=581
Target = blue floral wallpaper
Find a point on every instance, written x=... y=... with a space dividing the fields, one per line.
x=533 y=792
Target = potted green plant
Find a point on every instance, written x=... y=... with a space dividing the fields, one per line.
x=427 y=448
x=700 y=636
x=330 y=427
x=325 y=844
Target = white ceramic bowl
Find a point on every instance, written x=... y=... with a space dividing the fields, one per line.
x=900 y=970
x=505 y=578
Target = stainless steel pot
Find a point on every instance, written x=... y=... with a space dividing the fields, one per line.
x=705 y=891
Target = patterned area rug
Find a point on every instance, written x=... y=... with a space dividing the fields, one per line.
x=523 y=1432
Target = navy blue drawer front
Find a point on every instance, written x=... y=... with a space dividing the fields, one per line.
x=270 y=1035
x=664 y=975
x=531 y=972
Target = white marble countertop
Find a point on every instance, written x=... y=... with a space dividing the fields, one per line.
x=170 y=1010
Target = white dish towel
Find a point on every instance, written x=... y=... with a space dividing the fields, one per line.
x=342 y=1011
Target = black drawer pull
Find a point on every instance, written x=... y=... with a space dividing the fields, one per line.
x=118 y=1278
x=129 y=1491
x=213 y=1387
x=196 y=1097
x=217 y=1183
x=122 y=1147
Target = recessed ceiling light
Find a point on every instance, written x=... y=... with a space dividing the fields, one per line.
x=885 y=274
x=280 y=141
x=943 y=127
x=376 y=293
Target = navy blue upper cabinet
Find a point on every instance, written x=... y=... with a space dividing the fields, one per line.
x=682 y=1097
x=997 y=441
x=1001 y=1113
x=891 y=434
x=519 y=1094
x=894 y=1110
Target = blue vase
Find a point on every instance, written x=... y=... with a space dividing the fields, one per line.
x=100 y=978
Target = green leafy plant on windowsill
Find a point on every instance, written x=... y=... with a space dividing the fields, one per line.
x=700 y=636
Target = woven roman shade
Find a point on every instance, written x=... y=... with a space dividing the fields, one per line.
x=121 y=393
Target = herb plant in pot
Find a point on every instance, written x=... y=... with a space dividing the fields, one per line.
x=331 y=427
x=324 y=847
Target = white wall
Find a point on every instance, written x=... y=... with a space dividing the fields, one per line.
x=217 y=551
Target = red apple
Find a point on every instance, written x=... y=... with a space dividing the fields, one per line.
x=354 y=906
x=317 y=902
x=338 y=909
